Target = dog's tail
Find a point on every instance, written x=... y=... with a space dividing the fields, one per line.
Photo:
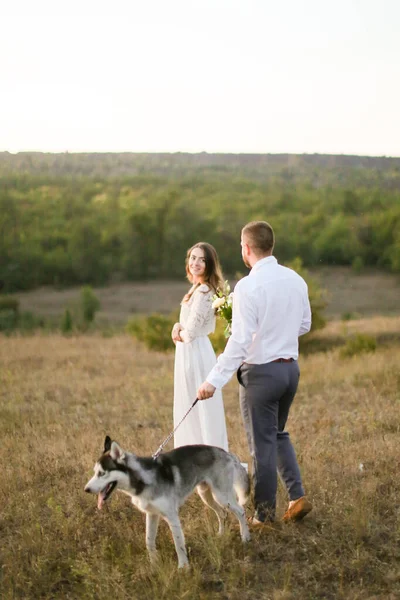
x=241 y=481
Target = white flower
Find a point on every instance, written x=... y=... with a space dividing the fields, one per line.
x=218 y=302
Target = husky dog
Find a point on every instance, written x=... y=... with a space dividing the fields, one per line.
x=159 y=486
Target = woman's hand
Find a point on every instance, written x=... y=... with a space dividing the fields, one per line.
x=175 y=333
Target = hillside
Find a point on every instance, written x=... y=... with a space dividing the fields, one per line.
x=365 y=295
x=340 y=168
x=71 y=219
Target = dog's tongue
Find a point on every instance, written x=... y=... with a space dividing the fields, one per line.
x=100 y=501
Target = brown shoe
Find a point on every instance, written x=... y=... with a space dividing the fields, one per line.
x=267 y=525
x=254 y=522
x=298 y=510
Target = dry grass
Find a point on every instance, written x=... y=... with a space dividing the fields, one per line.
x=372 y=293
x=60 y=396
x=386 y=331
x=119 y=301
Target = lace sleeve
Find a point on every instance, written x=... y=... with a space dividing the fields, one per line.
x=201 y=312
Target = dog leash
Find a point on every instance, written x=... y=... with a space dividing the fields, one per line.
x=159 y=449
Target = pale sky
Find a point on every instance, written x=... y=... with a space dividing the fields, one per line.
x=297 y=76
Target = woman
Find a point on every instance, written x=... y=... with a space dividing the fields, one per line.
x=194 y=354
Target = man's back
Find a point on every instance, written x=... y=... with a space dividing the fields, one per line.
x=279 y=298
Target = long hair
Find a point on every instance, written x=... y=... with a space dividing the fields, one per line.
x=213 y=273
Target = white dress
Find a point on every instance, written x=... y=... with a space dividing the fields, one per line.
x=194 y=359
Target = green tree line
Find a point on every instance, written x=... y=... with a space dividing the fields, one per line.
x=61 y=225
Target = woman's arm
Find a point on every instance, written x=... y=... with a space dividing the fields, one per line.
x=200 y=311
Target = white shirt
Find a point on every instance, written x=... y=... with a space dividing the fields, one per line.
x=271 y=310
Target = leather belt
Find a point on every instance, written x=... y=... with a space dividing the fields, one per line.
x=286 y=360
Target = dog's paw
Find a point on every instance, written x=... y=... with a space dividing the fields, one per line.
x=246 y=537
x=183 y=564
x=153 y=557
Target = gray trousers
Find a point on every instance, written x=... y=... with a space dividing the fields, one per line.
x=266 y=394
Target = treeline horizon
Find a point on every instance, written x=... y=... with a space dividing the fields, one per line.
x=69 y=219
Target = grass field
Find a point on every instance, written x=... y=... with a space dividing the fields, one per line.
x=368 y=294
x=59 y=396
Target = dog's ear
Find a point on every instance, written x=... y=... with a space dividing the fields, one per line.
x=107 y=444
x=116 y=452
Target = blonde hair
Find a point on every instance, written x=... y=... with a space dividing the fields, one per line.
x=213 y=273
x=260 y=237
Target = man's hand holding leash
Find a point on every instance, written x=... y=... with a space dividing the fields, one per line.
x=205 y=391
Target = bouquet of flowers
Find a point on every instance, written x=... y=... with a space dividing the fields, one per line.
x=222 y=304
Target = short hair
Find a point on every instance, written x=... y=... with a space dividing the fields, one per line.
x=260 y=237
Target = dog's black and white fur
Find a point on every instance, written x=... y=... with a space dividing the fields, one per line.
x=160 y=486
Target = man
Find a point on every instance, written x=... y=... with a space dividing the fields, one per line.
x=271 y=310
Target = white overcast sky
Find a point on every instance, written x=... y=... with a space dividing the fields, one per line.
x=297 y=76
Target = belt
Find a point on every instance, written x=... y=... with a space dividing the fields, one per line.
x=287 y=360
